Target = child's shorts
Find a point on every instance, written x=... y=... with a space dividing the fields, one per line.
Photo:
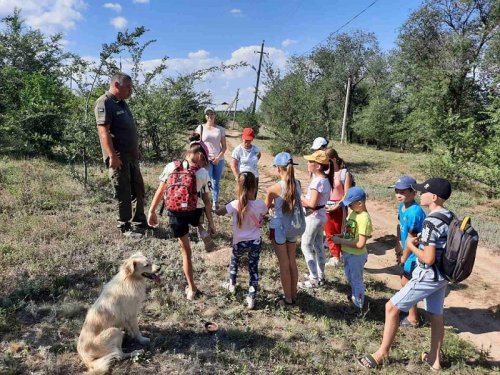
x=278 y=235
x=422 y=287
x=179 y=222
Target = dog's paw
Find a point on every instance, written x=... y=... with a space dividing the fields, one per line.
x=143 y=340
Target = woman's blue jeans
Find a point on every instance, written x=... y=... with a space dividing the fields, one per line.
x=215 y=172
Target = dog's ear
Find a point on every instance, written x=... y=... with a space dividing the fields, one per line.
x=129 y=267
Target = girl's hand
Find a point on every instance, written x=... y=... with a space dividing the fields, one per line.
x=211 y=230
x=337 y=240
x=153 y=219
x=215 y=161
x=331 y=208
x=303 y=201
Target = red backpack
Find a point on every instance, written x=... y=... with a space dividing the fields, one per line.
x=181 y=194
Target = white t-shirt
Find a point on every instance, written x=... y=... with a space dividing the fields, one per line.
x=212 y=138
x=247 y=159
x=202 y=180
x=252 y=220
x=322 y=185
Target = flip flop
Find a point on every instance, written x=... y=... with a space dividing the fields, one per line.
x=369 y=361
x=423 y=358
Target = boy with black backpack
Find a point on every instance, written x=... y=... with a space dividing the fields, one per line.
x=427 y=282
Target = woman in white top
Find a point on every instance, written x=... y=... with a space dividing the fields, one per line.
x=246 y=156
x=214 y=136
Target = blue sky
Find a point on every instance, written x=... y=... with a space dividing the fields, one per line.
x=200 y=33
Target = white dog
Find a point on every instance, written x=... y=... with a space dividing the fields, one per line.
x=115 y=310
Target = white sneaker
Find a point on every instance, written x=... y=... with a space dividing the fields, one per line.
x=250 y=303
x=333 y=262
x=229 y=286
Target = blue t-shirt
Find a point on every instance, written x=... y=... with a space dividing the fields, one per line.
x=410 y=220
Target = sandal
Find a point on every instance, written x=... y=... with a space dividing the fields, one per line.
x=423 y=358
x=282 y=302
x=369 y=361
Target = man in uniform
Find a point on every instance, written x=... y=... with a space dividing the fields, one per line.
x=120 y=150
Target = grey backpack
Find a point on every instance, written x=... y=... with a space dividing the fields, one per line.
x=295 y=222
x=460 y=251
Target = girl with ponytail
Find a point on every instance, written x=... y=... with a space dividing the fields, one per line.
x=282 y=197
x=247 y=217
x=336 y=215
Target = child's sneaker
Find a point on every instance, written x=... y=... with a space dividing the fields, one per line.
x=333 y=262
x=229 y=286
x=250 y=303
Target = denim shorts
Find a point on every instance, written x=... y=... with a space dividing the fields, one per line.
x=278 y=235
x=422 y=286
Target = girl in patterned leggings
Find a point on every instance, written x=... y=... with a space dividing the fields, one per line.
x=247 y=214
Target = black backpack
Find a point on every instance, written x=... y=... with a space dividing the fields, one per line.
x=460 y=251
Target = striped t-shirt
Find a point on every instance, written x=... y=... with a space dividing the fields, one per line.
x=435 y=232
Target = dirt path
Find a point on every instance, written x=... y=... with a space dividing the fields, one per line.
x=471 y=307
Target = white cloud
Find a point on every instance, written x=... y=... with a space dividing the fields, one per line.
x=288 y=42
x=235 y=12
x=119 y=22
x=222 y=85
x=141 y=1
x=113 y=6
x=48 y=16
x=200 y=54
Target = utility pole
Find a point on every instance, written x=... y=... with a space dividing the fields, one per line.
x=344 y=121
x=258 y=75
x=235 y=106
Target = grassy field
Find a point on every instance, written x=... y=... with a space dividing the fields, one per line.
x=58 y=246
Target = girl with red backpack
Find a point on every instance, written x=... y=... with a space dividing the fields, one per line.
x=182 y=183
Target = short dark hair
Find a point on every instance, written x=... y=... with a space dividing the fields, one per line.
x=120 y=77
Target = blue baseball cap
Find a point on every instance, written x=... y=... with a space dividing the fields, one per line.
x=283 y=159
x=404 y=182
x=354 y=194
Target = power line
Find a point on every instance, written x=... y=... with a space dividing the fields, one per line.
x=341 y=27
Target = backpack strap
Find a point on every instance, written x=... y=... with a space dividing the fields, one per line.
x=445 y=219
x=343 y=175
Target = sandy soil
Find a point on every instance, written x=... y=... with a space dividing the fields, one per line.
x=472 y=307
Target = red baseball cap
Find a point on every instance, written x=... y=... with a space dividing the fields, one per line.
x=248 y=134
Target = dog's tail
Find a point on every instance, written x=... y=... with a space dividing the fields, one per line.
x=101 y=365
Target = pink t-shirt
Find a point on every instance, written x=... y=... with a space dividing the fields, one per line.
x=212 y=138
x=252 y=220
x=337 y=192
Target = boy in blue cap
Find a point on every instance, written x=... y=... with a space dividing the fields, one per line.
x=411 y=217
x=357 y=231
